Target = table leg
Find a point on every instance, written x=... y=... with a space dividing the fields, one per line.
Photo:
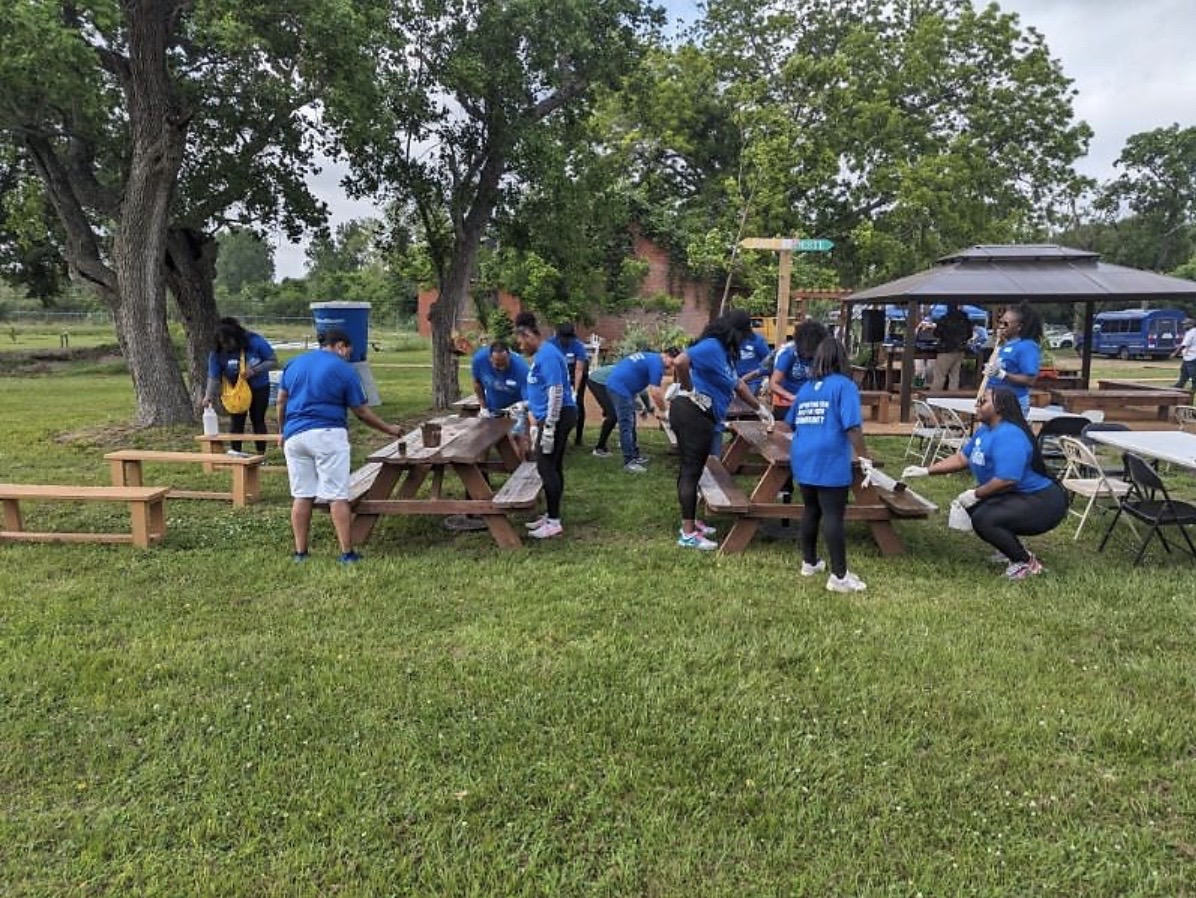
x=739 y=536
x=883 y=533
x=736 y=454
x=499 y=525
x=381 y=488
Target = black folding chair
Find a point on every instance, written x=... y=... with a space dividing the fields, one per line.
x=1149 y=502
x=1048 y=438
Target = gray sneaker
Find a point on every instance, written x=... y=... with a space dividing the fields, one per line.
x=601 y=453
x=634 y=467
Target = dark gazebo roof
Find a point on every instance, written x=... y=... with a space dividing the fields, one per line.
x=1036 y=273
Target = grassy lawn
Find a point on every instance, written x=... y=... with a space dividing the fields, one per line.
x=601 y=715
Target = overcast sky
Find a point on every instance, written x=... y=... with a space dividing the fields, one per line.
x=1133 y=64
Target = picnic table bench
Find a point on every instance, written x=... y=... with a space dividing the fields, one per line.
x=147 y=510
x=1114 y=383
x=126 y=468
x=871 y=503
x=215 y=443
x=1083 y=400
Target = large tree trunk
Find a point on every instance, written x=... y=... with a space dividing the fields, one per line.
x=156 y=129
x=191 y=274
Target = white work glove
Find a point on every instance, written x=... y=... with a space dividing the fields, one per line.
x=484 y=412
x=915 y=471
x=548 y=439
x=967 y=498
x=533 y=434
x=866 y=470
x=994 y=369
x=766 y=416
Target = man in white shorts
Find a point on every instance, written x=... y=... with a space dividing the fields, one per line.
x=316 y=390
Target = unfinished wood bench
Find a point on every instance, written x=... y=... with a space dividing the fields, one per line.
x=521 y=489
x=126 y=465
x=215 y=444
x=147 y=509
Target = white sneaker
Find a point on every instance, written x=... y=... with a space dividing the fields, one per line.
x=634 y=467
x=237 y=453
x=849 y=582
x=809 y=570
x=642 y=459
x=601 y=453
x=547 y=530
x=537 y=523
x=705 y=529
x=695 y=540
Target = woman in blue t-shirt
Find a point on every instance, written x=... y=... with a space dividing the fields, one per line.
x=1015 y=365
x=577 y=358
x=1015 y=495
x=706 y=375
x=826 y=423
x=225 y=361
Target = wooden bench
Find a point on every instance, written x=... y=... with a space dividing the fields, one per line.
x=125 y=465
x=214 y=444
x=1117 y=384
x=147 y=508
x=878 y=402
x=1083 y=400
x=521 y=488
x=468 y=407
x=719 y=491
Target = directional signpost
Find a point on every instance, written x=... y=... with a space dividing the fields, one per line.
x=786 y=246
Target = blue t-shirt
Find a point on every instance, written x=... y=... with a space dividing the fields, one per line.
x=823 y=411
x=752 y=354
x=321 y=387
x=713 y=374
x=1018 y=356
x=501 y=388
x=572 y=349
x=228 y=364
x=636 y=373
x=1004 y=452
x=548 y=370
x=795 y=370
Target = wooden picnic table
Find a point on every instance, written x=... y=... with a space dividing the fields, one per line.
x=465 y=451
x=1083 y=400
x=754 y=442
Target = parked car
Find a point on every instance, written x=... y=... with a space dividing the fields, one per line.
x=1061 y=340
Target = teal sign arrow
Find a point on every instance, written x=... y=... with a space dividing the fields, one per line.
x=811 y=246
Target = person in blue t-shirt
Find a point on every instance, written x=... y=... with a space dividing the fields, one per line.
x=705 y=373
x=631 y=376
x=314 y=394
x=224 y=361
x=1015 y=494
x=1015 y=365
x=827 y=430
x=790 y=372
x=751 y=361
x=577 y=358
x=499 y=381
x=553 y=412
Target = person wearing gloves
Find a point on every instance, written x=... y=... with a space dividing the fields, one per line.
x=577 y=358
x=827 y=430
x=749 y=366
x=230 y=343
x=499 y=379
x=792 y=366
x=1015 y=495
x=705 y=372
x=1015 y=365
x=553 y=412
x=631 y=376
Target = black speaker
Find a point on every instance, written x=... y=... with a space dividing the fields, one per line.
x=872 y=323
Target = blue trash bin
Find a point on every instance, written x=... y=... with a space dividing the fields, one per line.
x=351 y=317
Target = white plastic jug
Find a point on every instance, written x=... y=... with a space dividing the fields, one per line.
x=211 y=422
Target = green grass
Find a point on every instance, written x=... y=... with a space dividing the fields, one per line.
x=601 y=715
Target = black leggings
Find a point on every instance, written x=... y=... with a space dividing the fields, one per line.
x=825 y=505
x=580 y=397
x=695 y=432
x=610 y=419
x=551 y=466
x=1001 y=519
x=256 y=414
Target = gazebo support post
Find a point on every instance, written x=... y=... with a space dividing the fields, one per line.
x=907 y=360
x=1086 y=353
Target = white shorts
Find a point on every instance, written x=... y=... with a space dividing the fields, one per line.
x=318 y=463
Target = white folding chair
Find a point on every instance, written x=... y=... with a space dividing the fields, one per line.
x=1185 y=417
x=1084 y=477
x=953 y=434
x=1095 y=415
x=925 y=436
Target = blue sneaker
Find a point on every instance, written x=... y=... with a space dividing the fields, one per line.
x=349 y=558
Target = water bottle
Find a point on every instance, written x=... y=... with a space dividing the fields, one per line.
x=211 y=423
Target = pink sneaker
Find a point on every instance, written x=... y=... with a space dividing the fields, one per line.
x=547 y=530
x=1020 y=570
x=705 y=529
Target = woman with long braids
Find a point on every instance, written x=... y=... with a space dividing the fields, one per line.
x=1015 y=365
x=1015 y=495
x=705 y=372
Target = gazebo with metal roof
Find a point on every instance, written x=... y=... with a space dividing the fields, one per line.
x=1007 y=274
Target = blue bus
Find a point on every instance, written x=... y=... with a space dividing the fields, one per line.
x=1146 y=333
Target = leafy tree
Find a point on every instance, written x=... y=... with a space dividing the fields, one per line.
x=30 y=242
x=245 y=260
x=467 y=101
x=152 y=123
